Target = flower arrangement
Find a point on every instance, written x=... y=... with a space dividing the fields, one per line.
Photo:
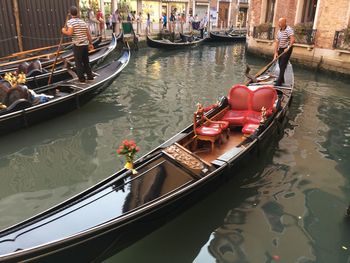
x=129 y=149
x=15 y=79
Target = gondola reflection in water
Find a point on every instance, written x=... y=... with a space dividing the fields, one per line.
x=124 y=207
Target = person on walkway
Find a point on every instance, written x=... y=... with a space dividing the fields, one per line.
x=203 y=24
x=101 y=26
x=165 y=20
x=283 y=43
x=172 y=22
x=148 y=24
x=82 y=40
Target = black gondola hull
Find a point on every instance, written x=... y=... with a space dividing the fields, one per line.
x=172 y=45
x=80 y=95
x=120 y=225
x=217 y=37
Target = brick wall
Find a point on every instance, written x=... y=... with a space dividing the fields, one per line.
x=332 y=17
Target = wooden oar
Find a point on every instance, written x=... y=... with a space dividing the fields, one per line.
x=28 y=59
x=57 y=53
x=267 y=66
x=26 y=52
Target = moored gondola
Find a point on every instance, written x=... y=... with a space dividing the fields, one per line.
x=38 y=77
x=167 y=44
x=121 y=209
x=226 y=37
x=59 y=98
x=46 y=60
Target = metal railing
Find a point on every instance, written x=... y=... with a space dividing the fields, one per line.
x=342 y=40
x=305 y=36
x=267 y=34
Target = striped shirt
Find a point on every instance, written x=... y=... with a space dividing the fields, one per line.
x=283 y=37
x=80 y=28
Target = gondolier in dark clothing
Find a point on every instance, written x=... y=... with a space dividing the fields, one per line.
x=82 y=40
x=283 y=43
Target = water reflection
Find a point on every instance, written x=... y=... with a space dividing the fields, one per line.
x=289 y=204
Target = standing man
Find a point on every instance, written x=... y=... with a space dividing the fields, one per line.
x=203 y=25
x=283 y=43
x=82 y=40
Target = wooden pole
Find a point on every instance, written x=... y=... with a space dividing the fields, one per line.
x=57 y=53
x=18 y=25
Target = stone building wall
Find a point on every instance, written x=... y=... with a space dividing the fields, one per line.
x=331 y=16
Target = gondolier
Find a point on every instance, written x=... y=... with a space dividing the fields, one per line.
x=82 y=40
x=283 y=43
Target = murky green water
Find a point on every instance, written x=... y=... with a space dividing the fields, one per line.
x=289 y=208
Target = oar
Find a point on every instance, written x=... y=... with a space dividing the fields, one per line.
x=31 y=51
x=27 y=59
x=58 y=51
x=267 y=66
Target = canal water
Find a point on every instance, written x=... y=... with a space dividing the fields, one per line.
x=288 y=206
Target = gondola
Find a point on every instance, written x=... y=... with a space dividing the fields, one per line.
x=46 y=60
x=167 y=44
x=60 y=97
x=39 y=77
x=226 y=37
x=121 y=209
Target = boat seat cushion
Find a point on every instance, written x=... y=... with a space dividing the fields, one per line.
x=239 y=98
x=208 y=131
x=223 y=125
x=264 y=97
x=252 y=117
x=246 y=104
x=249 y=128
x=234 y=117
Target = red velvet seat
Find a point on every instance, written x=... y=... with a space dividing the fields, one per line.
x=264 y=97
x=249 y=128
x=239 y=100
x=246 y=105
x=208 y=131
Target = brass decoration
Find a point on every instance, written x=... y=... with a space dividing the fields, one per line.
x=184 y=157
x=263 y=115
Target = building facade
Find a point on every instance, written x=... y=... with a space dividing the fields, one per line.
x=321 y=28
x=222 y=13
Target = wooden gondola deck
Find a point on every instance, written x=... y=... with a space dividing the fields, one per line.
x=204 y=151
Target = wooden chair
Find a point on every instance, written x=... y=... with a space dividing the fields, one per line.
x=207 y=130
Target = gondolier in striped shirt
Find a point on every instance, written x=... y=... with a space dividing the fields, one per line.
x=283 y=43
x=82 y=40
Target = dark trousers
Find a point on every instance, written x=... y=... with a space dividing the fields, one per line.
x=81 y=57
x=202 y=32
x=283 y=62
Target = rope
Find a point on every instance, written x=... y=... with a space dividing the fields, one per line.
x=7 y=39
x=41 y=38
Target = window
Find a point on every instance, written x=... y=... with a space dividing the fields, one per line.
x=309 y=11
x=270 y=11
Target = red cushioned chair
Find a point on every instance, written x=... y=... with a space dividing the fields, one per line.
x=239 y=101
x=208 y=130
x=262 y=97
